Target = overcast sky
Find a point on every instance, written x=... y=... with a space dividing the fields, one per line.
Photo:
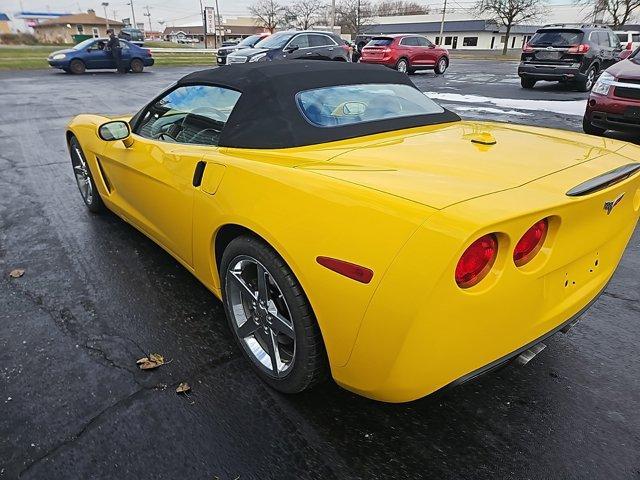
x=173 y=12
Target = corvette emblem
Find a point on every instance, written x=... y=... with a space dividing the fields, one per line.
x=611 y=204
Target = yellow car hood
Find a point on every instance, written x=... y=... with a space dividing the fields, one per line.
x=442 y=165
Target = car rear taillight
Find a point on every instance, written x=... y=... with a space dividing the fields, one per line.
x=346 y=47
x=476 y=261
x=630 y=46
x=149 y=53
x=527 y=48
x=582 y=48
x=530 y=243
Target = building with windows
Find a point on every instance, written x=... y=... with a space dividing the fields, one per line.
x=71 y=28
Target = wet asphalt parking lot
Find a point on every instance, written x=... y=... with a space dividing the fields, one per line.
x=96 y=295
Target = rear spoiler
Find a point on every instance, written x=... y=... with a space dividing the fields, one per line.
x=605 y=180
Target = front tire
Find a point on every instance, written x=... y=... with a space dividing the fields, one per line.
x=84 y=178
x=136 y=65
x=270 y=317
x=587 y=127
x=77 y=67
x=441 y=66
x=403 y=66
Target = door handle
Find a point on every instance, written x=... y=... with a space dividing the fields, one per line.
x=331 y=49
x=198 y=173
x=309 y=53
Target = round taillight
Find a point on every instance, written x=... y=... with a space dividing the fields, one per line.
x=530 y=243
x=476 y=261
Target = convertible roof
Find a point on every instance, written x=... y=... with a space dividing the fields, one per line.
x=267 y=116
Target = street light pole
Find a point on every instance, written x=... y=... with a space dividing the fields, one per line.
x=444 y=10
x=204 y=24
x=218 y=22
x=133 y=14
x=148 y=14
x=333 y=14
x=105 y=5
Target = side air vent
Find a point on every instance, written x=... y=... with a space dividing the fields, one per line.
x=605 y=180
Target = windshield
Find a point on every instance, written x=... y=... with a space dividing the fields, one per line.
x=84 y=44
x=557 y=38
x=350 y=104
x=250 y=41
x=277 y=40
x=379 y=42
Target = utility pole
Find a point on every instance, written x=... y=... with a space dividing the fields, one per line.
x=204 y=24
x=218 y=23
x=444 y=11
x=133 y=14
x=358 y=19
x=148 y=15
x=333 y=15
x=105 y=5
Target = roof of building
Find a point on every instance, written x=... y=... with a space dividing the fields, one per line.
x=449 y=26
x=268 y=97
x=225 y=29
x=4 y=17
x=79 y=18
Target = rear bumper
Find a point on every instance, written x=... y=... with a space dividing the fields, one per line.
x=148 y=62
x=387 y=62
x=549 y=72
x=423 y=334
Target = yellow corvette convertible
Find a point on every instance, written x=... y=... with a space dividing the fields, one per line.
x=350 y=224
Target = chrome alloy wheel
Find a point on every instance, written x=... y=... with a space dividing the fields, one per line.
x=260 y=316
x=402 y=66
x=81 y=172
x=591 y=76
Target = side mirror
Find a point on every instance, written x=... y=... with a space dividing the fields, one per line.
x=293 y=48
x=116 y=130
x=431 y=45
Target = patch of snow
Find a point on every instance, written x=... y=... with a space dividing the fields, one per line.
x=464 y=108
x=566 y=107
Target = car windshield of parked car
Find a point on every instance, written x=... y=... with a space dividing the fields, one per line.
x=557 y=38
x=379 y=42
x=350 y=104
x=277 y=40
x=249 y=41
x=193 y=114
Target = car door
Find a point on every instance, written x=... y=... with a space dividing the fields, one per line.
x=298 y=47
x=125 y=52
x=97 y=56
x=428 y=53
x=322 y=47
x=616 y=47
x=151 y=182
x=407 y=49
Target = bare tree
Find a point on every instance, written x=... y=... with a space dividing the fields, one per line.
x=387 y=8
x=268 y=13
x=354 y=15
x=304 y=14
x=510 y=13
x=618 y=11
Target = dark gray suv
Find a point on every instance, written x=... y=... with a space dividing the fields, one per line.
x=568 y=53
x=307 y=44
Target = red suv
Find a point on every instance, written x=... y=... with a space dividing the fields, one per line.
x=614 y=103
x=406 y=53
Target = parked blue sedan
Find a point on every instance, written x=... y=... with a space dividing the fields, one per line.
x=92 y=54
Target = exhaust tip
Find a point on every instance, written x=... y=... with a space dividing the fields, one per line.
x=526 y=356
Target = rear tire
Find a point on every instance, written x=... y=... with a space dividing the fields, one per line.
x=441 y=66
x=77 y=67
x=586 y=84
x=137 y=66
x=587 y=127
x=301 y=359
x=403 y=66
x=527 y=83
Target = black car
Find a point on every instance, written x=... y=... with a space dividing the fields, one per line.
x=309 y=45
x=248 y=42
x=358 y=44
x=568 y=53
x=132 y=35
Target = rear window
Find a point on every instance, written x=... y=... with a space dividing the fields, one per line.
x=351 y=104
x=622 y=37
x=380 y=42
x=557 y=38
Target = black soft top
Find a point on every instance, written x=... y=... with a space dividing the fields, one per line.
x=267 y=116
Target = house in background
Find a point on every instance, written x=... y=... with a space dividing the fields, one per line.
x=79 y=25
x=4 y=23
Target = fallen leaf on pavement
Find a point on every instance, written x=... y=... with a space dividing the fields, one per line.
x=17 y=273
x=183 y=388
x=154 y=360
